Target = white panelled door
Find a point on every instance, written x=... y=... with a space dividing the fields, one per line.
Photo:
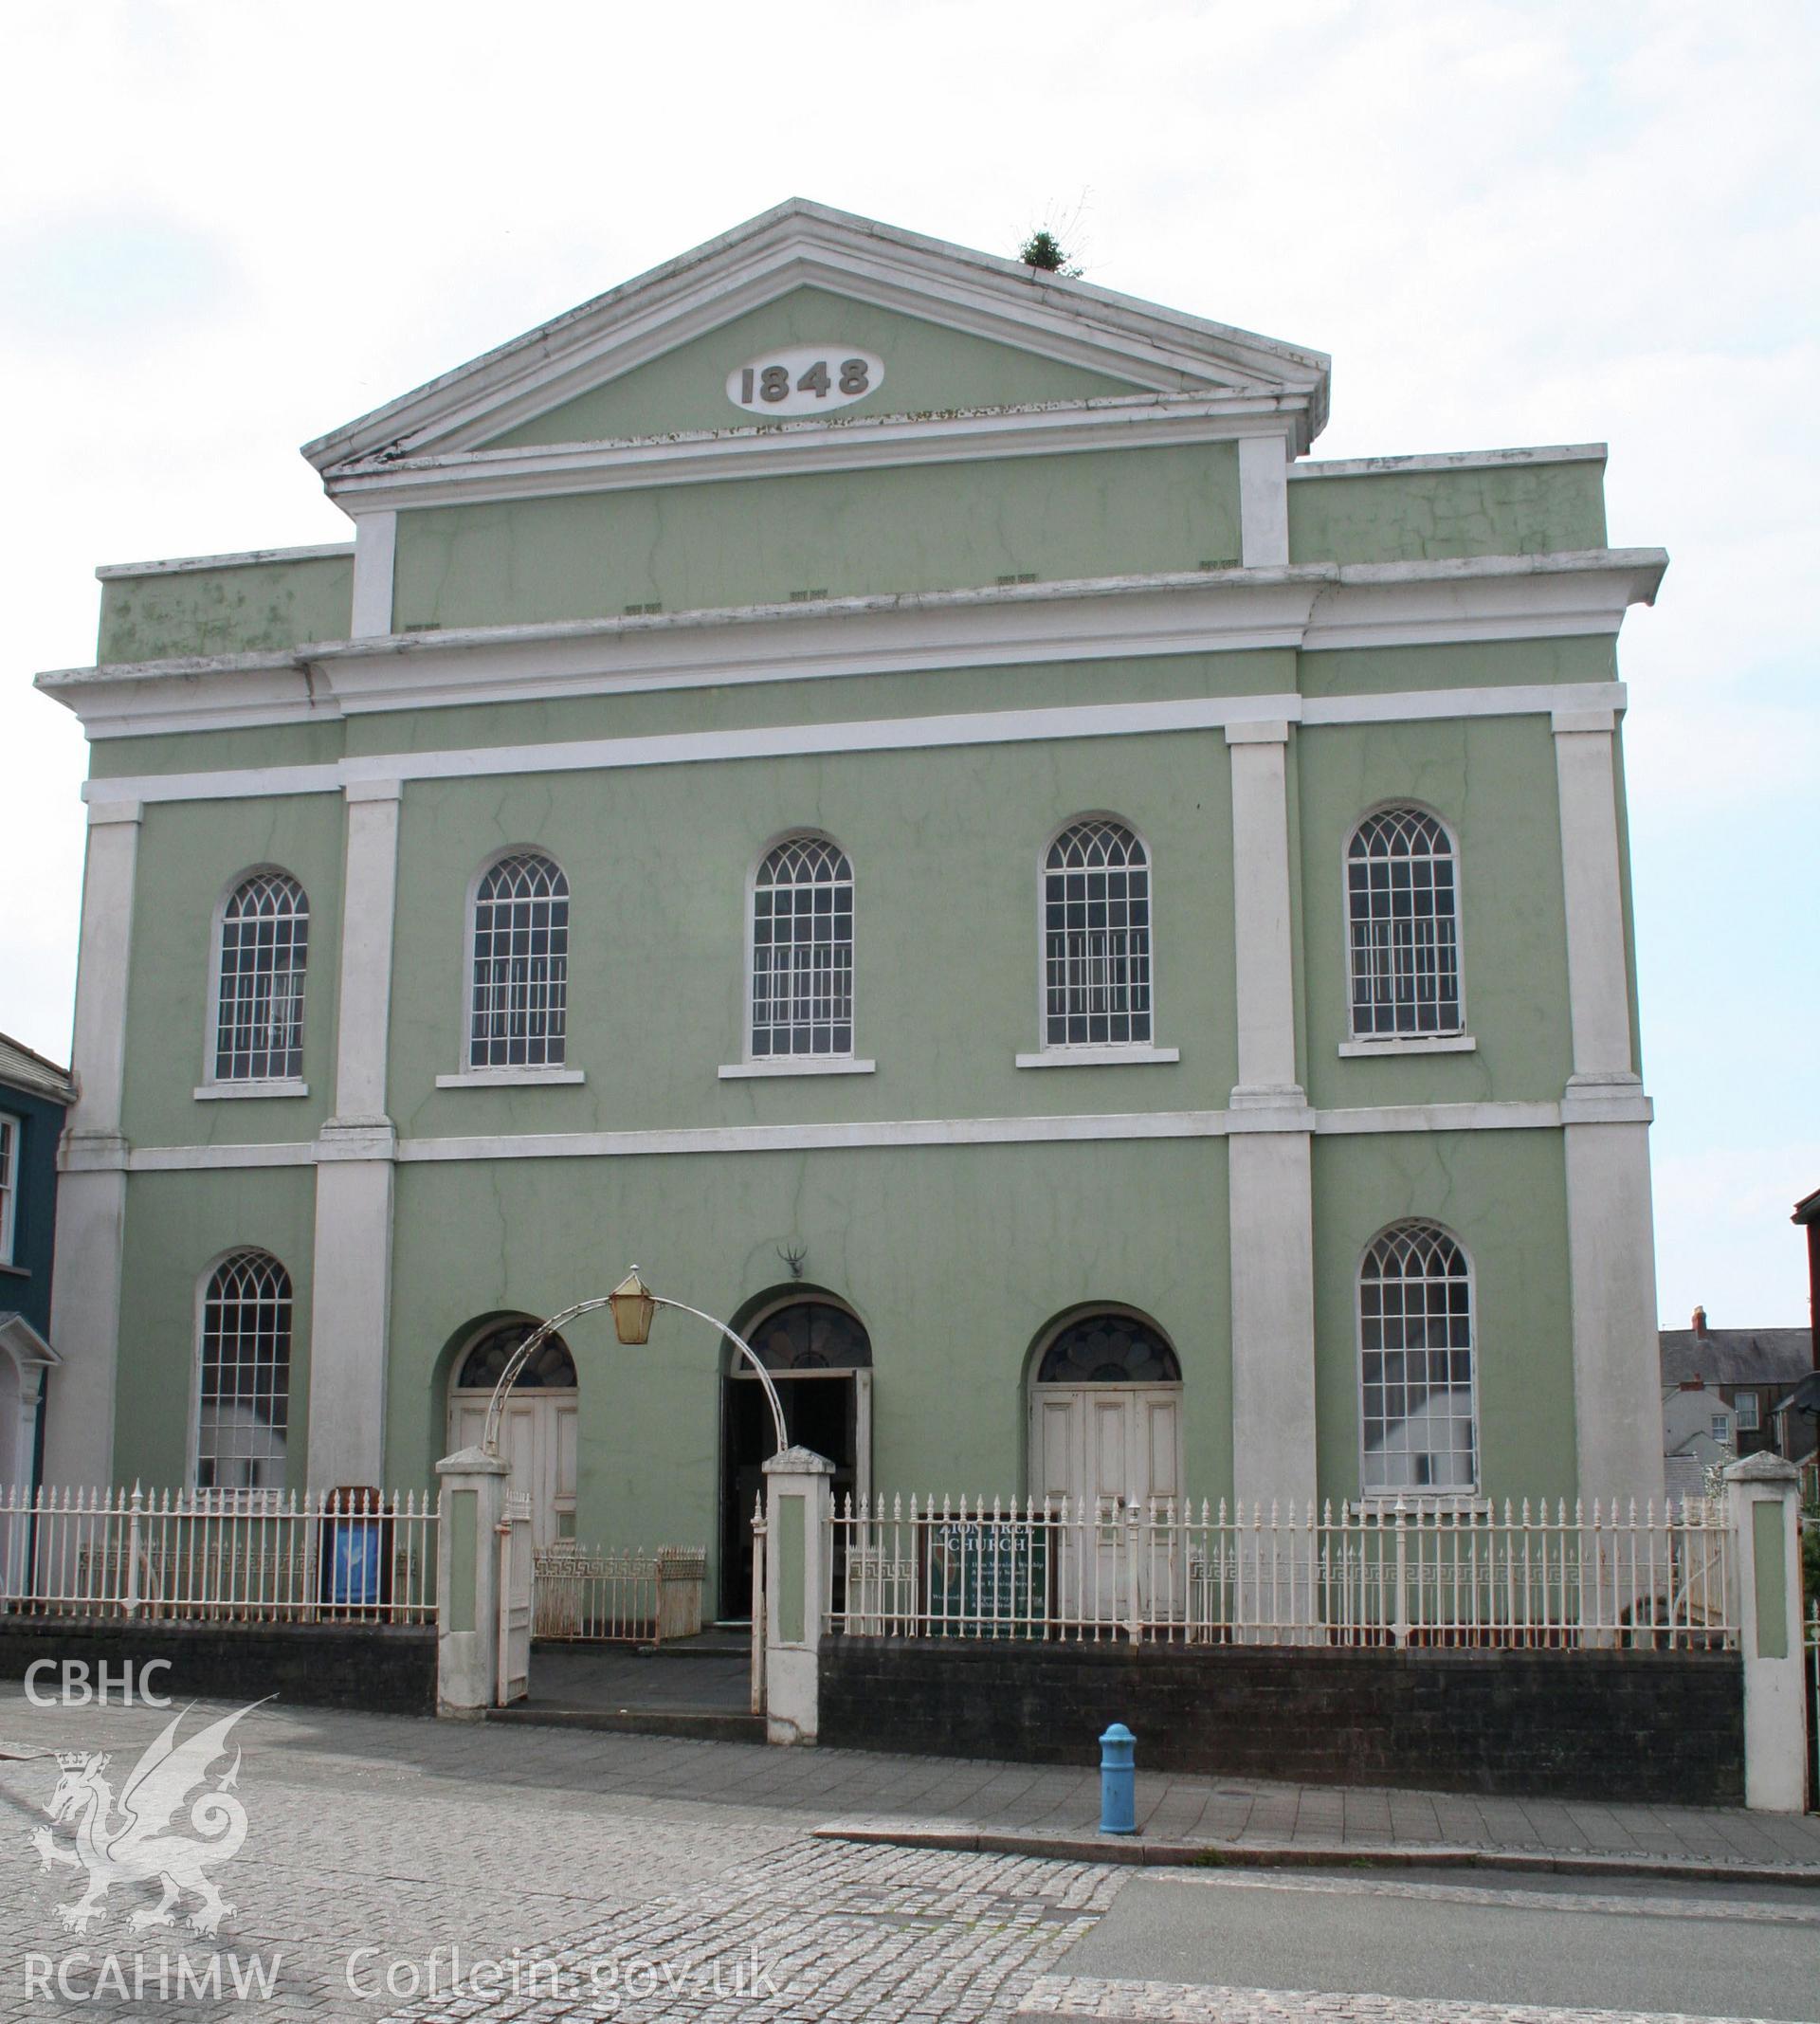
x=1108 y=1449
x=537 y=1438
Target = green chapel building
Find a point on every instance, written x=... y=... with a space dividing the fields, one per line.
x=888 y=787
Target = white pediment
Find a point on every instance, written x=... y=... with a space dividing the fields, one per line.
x=1133 y=347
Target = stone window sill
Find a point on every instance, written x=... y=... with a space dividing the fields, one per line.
x=510 y=1078
x=1449 y=1504
x=278 y=1085
x=1097 y=1057
x=15 y=1271
x=1409 y=1044
x=797 y=1065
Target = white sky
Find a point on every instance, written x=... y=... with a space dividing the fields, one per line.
x=227 y=228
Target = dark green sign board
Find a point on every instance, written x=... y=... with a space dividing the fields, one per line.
x=988 y=1580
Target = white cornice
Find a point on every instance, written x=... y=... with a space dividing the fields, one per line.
x=800 y=1137
x=1463 y=460
x=368 y=774
x=1483 y=597
x=801 y=244
x=1310 y=606
x=242 y=558
x=809 y=448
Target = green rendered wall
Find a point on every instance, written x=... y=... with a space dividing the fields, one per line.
x=1491 y=779
x=828 y=699
x=263 y=745
x=1101 y=513
x=945 y=847
x=1504 y=1195
x=1505 y=509
x=955 y=1258
x=239 y=609
x=928 y=367
x=191 y=854
x=179 y=1226
x=1467 y=663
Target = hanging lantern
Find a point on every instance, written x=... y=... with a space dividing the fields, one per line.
x=632 y=1309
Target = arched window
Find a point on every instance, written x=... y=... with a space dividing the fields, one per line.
x=551 y=1369
x=1108 y=1349
x=258 y=1001
x=1096 y=939
x=802 y=951
x=812 y=1335
x=1403 y=926
x=1419 y=1412
x=519 y=997
x=243 y=1413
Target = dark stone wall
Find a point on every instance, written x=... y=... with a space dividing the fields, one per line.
x=386 y=1668
x=1643 y=1726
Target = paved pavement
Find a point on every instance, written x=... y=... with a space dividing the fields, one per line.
x=885 y=1794
x=608 y=1875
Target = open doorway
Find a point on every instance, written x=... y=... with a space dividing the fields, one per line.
x=820 y=1358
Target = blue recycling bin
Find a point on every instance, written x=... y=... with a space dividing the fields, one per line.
x=356 y=1566
x=1117 y=1781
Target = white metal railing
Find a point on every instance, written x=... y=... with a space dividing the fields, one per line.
x=1397 y=1574
x=583 y=1593
x=233 y=1556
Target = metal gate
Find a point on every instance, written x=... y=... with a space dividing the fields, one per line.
x=514 y=1599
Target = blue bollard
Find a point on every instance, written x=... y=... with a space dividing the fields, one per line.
x=1117 y=1781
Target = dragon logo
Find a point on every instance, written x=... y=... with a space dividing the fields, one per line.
x=133 y=1840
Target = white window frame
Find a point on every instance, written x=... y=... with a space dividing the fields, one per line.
x=1439 y=1497
x=12 y=1140
x=1087 y=1055
x=1747 y=1412
x=761 y=1067
x=510 y=1075
x=1457 y=1040
x=232 y=1496
x=215 y=1086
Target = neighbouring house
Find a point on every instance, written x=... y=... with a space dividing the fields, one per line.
x=34 y=1094
x=1725 y=1396
x=890 y=789
x=1800 y=1409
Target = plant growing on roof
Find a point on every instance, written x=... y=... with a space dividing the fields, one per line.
x=1046 y=252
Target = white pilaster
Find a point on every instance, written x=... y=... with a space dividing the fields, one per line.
x=1263 y=947
x=1269 y=1153
x=1611 y=1268
x=1610 y=1227
x=376 y=547
x=1263 y=500
x=91 y=1191
x=369 y=897
x=351 y=1283
x=1598 y=981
